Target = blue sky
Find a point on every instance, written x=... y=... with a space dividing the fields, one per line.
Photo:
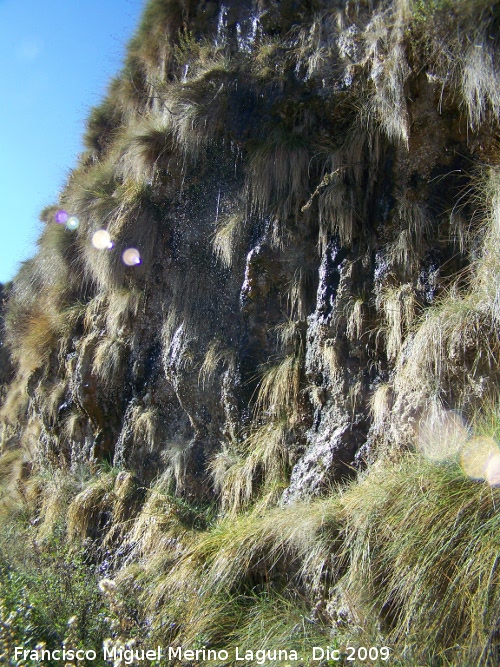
x=56 y=59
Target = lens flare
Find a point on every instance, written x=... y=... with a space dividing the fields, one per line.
x=493 y=470
x=480 y=459
x=131 y=257
x=102 y=240
x=61 y=216
x=441 y=434
x=72 y=223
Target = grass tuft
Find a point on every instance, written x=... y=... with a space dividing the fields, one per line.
x=260 y=464
x=421 y=549
x=216 y=357
x=227 y=238
x=90 y=511
x=278 y=175
x=398 y=306
x=279 y=388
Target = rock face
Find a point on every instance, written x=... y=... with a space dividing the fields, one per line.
x=300 y=180
x=5 y=362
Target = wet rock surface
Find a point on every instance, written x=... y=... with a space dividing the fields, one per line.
x=293 y=218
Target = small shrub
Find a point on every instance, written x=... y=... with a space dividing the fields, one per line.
x=43 y=587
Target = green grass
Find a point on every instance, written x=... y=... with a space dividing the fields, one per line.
x=267 y=624
x=146 y=149
x=102 y=124
x=406 y=555
x=410 y=550
x=44 y=586
x=421 y=546
x=273 y=622
x=234 y=582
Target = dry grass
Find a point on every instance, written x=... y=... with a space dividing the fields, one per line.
x=421 y=544
x=153 y=42
x=356 y=319
x=90 y=193
x=419 y=541
x=233 y=479
x=412 y=223
x=128 y=500
x=297 y=294
x=278 y=176
x=278 y=394
x=399 y=308
x=125 y=209
x=279 y=388
x=157 y=533
x=55 y=493
x=345 y=192
x=311 y=47
x=389 y=72
x=455 y=44
x=330 y=359
x=290 y=336
x=410 y=548
x=38 y=341
x=109 y=359
x=485 y=282
x=145 y=425
x=253 y=546
x=217 y=356
x=102 y=123
x=197 y=108
x=266 y=64
x=91 y=507
x=380 y=405
x=259 y=466
x=227 y=238
x=128 y=212
x=41 y=333
x=337 y=212
x=454 y=350
x=104 y=508
x=72 y=427
x=14 y=406
x=455 y=341
x=175 y=456
x=146 y=148
x=44 y=301
x=122 y=308
x=460 y=41
x=191 y=571
x=53 y=400
x=132 y=223
x=480 y=82
x=12 y=462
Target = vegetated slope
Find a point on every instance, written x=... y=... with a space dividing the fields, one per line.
x=312 y=189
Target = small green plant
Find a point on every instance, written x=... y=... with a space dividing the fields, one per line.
x=42 y=587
